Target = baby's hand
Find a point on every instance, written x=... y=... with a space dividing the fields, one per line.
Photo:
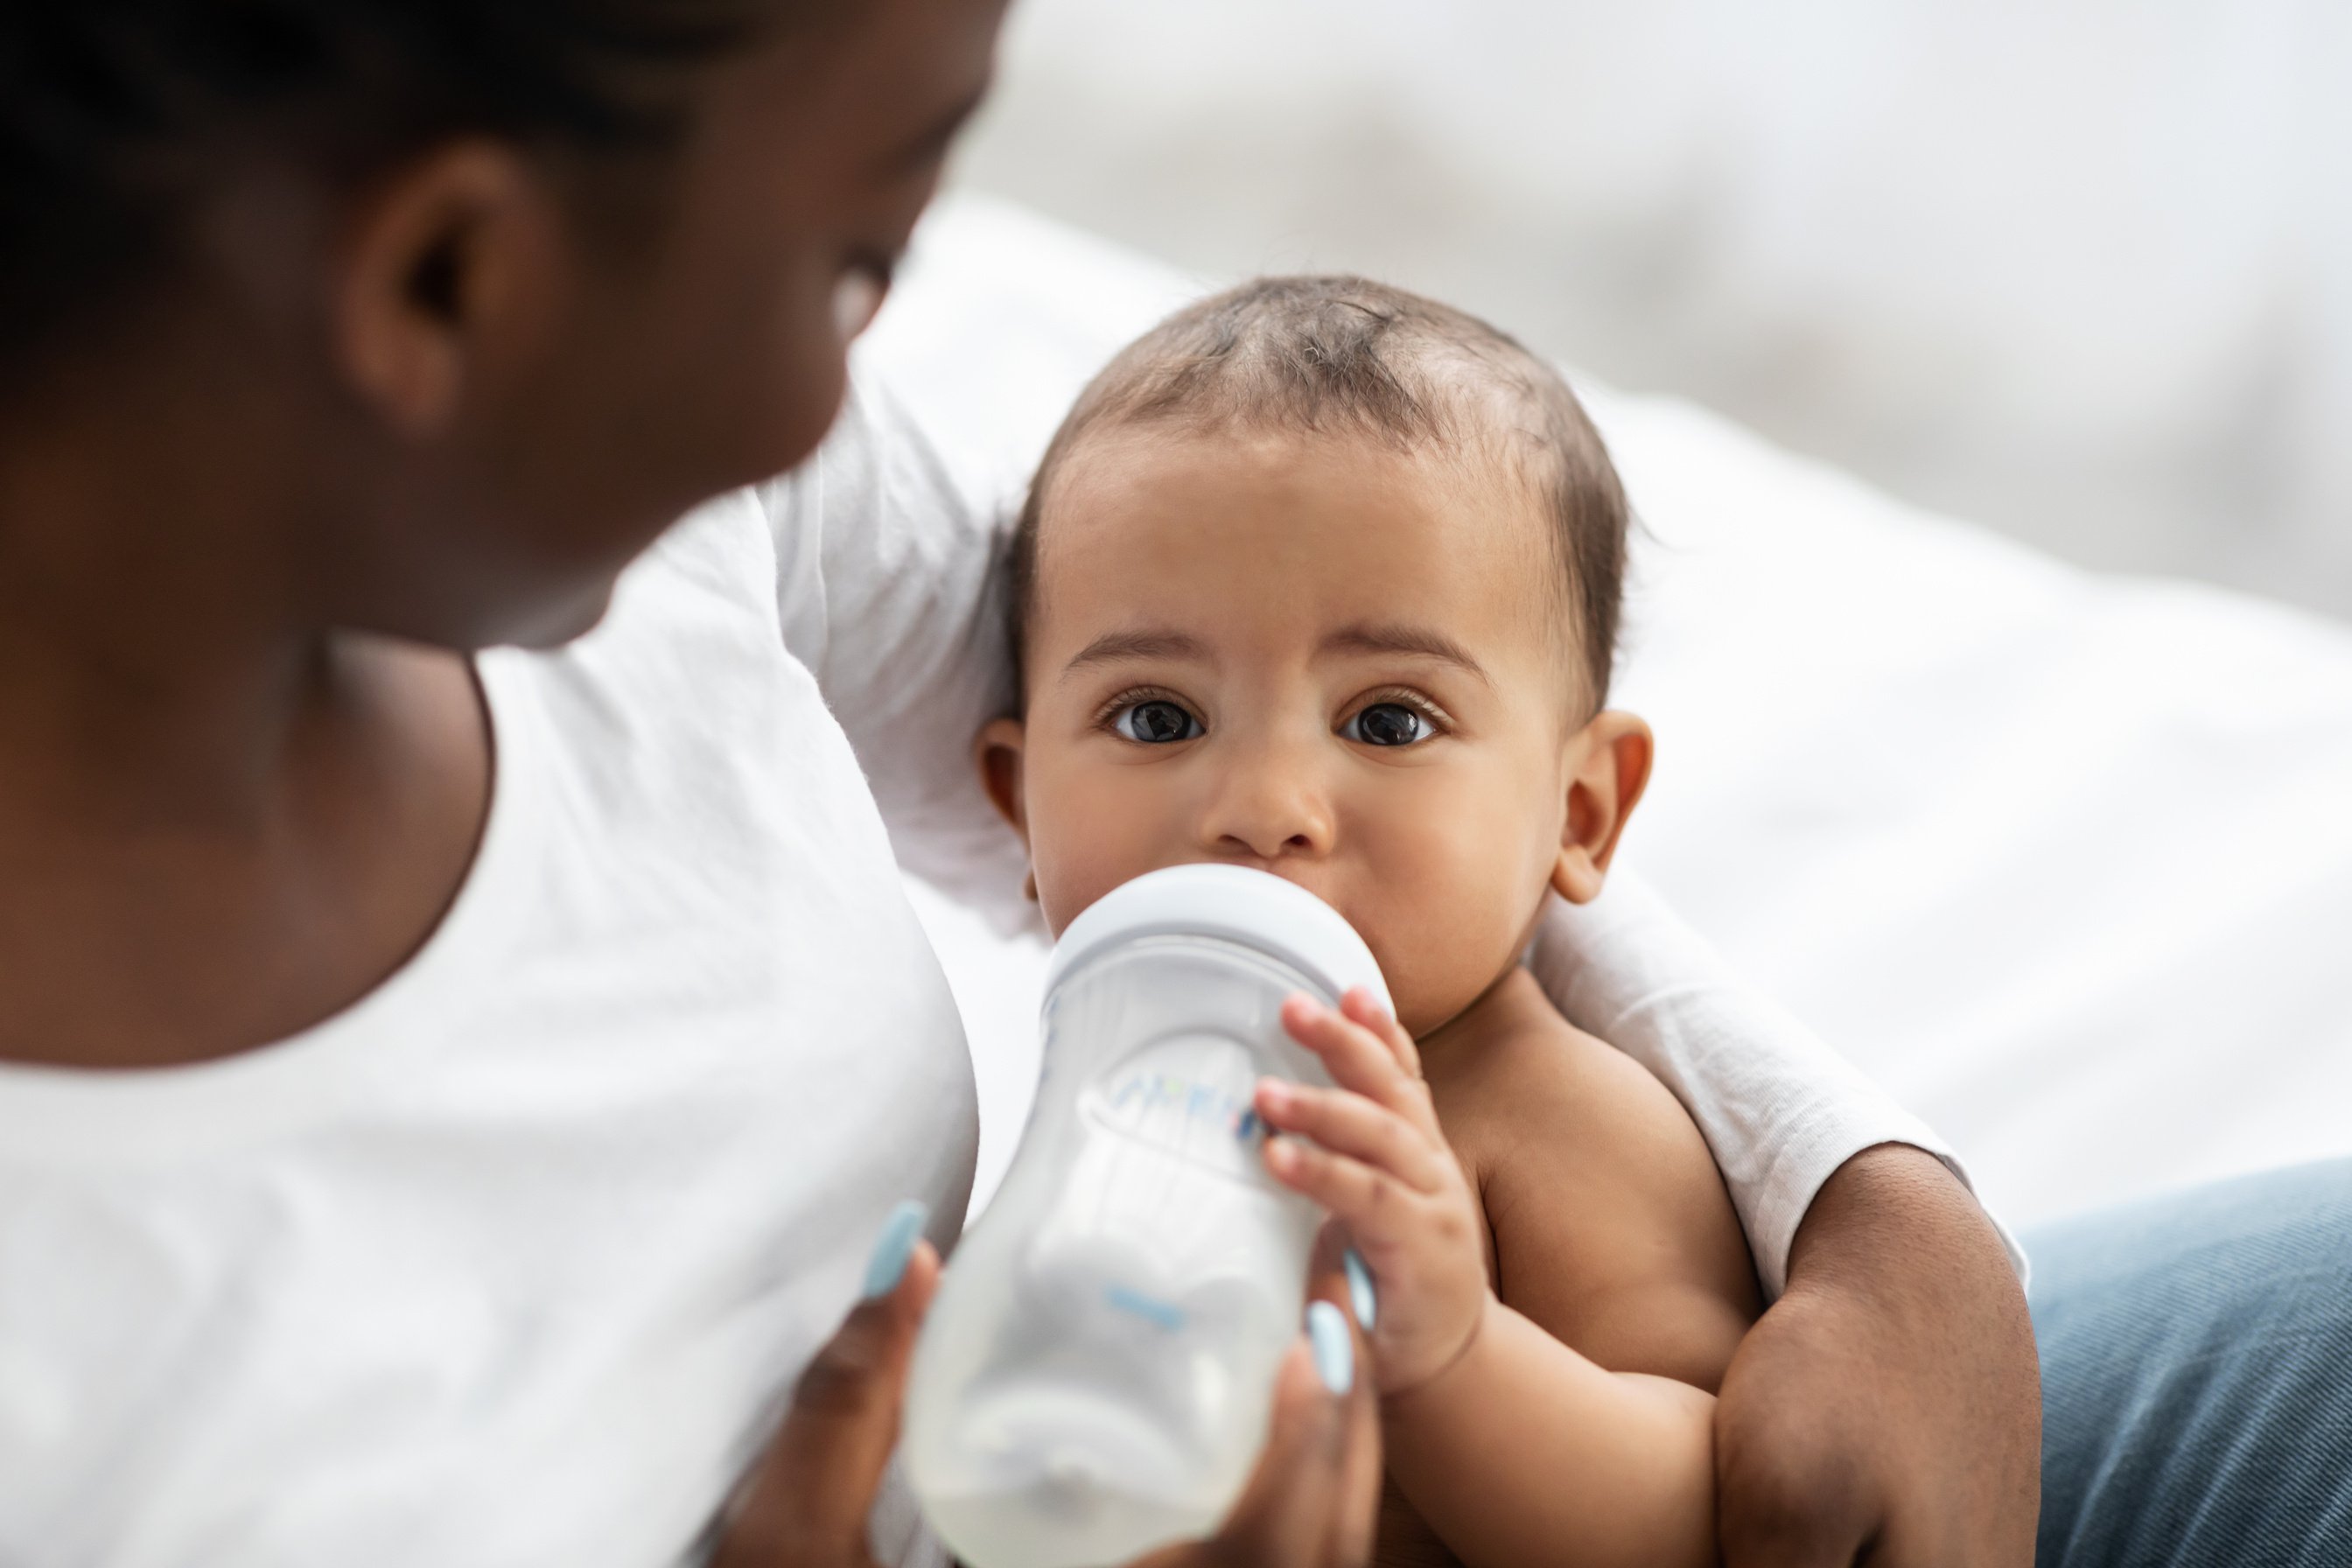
x=1379 y=1163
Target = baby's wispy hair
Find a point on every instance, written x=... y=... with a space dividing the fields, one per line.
x=1345 y=357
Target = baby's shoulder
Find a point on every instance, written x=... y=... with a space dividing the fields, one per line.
x=1610 y=1224
x=1532 y=1085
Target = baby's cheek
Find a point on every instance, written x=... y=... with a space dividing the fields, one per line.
x=1085 y=839
x=1450 y=916
x=1071 y=871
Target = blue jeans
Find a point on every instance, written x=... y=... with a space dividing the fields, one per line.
x=2197 y=1377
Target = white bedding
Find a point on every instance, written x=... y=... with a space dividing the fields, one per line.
x=2063 y=860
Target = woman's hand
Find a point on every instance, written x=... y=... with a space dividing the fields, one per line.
x=1379 y=1164
x=1890 y=1400
x=1311 y=1502
x=1316 y=1494
x=805 y=1504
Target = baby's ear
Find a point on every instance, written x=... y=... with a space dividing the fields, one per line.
x=1609 y=767
x=998 y=754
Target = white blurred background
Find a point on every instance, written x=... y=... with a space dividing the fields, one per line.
x=2080 y=270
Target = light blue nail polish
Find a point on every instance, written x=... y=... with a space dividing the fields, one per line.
x=887 y=1265
x=1335 y=1353
x=1361 y=1292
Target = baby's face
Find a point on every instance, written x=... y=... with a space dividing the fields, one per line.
x=1337 y=663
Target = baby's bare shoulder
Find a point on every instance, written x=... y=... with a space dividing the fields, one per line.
x=1610 y=1224
x=1536 y=1088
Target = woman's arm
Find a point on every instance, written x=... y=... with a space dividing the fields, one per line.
x=1780 y=1109
x=1890 y=1399
x=1891 y=1394
x=889 y=579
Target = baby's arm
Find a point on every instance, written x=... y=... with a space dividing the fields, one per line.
x=1611 y=1232
x=1611 y=1226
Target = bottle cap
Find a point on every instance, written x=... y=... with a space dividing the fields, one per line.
x=1254 y=908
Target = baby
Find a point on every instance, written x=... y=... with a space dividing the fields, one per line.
x=1322 y=578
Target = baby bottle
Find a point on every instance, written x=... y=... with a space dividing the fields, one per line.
x=1097 y=1372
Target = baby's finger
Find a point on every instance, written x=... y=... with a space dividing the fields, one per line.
x=1348 y=1123
x=1359 y=1059
x=1371 y=1203
x=1365 y=1008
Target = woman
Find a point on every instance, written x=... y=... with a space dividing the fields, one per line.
x=449 y=1090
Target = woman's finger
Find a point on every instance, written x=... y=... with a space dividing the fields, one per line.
x=1347 y=1123
x=805 y=1504
x=1314 y=1497
x=1355 y=1513
x=1359 y=1059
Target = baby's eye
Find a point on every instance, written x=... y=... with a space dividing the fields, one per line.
x=1387 y=724
x=1156 y=722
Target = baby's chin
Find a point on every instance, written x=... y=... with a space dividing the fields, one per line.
x=1423 y=1014
x=1439 y=971
x=1428 y=994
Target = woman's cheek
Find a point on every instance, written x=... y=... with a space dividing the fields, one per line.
x=809 y=384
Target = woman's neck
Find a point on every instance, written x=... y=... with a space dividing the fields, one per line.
x=217 y=825
x=149 y=641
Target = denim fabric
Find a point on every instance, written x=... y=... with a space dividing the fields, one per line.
x=2197 y=1378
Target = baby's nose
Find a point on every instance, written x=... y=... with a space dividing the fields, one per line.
x=1268 y=810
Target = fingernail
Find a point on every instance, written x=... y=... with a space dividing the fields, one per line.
x=1335 y=1353
x=1361 y=1293
x=887 y=1265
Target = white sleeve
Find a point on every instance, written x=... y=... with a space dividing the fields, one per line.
x=890 y=587
x=1780 y=1109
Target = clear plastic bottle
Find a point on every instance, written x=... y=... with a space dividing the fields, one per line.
x=1095 y=1374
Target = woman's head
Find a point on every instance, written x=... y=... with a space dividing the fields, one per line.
x=466 y=298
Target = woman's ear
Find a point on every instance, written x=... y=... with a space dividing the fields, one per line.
x=1609 y=769
x=451 y=272
x=998 y=753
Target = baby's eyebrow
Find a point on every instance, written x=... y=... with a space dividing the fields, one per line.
x=1112 y=648
x=1421 y=641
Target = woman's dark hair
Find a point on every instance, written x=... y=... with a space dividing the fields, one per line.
x=116 y=116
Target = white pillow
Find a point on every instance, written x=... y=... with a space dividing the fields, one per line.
x=2065 y=861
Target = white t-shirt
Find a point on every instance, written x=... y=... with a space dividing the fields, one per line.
x=508 y=1263
x=512 y=1262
